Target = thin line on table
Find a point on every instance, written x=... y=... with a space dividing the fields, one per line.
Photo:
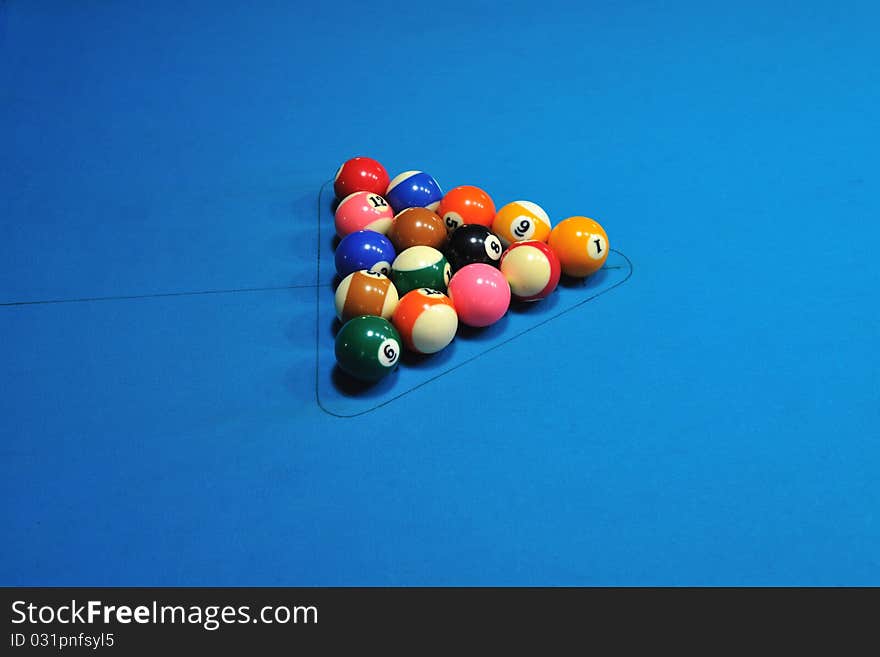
x=157 y=295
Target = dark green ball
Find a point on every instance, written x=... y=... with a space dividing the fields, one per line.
x=368 y=348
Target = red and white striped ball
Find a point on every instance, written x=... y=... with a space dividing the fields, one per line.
x=363 y=211
x=531 y=268
x=426 y=320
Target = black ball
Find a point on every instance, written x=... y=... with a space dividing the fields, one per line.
x=473 y=243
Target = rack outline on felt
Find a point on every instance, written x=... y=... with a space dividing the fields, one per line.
x=338 y=395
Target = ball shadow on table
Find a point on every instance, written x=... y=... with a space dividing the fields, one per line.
x=414 y=361
x=572 y=282
x=349 y=386
x=334 y=327
x=334 y=278
x=482 y=334
x=534 y=308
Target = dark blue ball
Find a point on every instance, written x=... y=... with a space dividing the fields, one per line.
x=364 y=249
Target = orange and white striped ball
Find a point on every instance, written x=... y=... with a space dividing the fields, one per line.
x=581 y=245
x=532 y=270
x=365 y=292
x=426 y=320
x=363 y=211
x=520 y=221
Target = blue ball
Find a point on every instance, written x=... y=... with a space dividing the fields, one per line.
x=364 y=249
x=413 y=189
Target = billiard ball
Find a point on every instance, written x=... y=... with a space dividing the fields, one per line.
x=360 y=174
x=473 y=243
x=368 y=348
x=364 y=249
x=420 y=266
x=365 y=292
x=480 y=294
x=466 y=205
x=531 y=268
x=426 y=320
x=521 y=220
x=413 y=189
x=417 y=227
x=581 y=245
x=363 y=211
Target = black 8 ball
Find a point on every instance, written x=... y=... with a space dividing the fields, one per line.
x=473 y=243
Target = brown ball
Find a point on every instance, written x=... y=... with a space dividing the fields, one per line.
x=417 y=227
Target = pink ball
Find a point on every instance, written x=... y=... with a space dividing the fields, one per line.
x=363 y=211
x=480 y=294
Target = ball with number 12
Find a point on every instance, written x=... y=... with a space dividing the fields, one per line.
x=363 y=211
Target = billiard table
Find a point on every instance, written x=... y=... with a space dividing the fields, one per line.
x=704 y=410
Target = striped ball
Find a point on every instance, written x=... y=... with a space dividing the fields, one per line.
x=532 y=270
x=521 y=220
x=365 y=292
x=426 y=320
x=420 y=266
x=413 y=189
x=363 y=211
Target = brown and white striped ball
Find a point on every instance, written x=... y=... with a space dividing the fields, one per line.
x=365 y=292
x=531 y=268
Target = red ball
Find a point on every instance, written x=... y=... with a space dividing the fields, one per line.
x=360 y=174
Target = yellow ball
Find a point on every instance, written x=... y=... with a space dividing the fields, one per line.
x=581 y=245
x=520 y=221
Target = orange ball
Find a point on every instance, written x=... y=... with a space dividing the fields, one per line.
x=581 y=245
x=466 y=205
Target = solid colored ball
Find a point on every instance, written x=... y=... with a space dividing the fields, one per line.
x=364 y=249
x=368 y=348
x=360 y=174
x=363 y=211
x=466 y=205
x=420 y=266
x=521 y=220
x=413 y=189
x=473 y=243
x=426 y=320
x=417 y=227
x=581 y=245
x=480 y=294
x=365 y=293
x=532 y=270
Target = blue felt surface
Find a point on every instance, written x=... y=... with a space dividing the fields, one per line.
x=715 y=420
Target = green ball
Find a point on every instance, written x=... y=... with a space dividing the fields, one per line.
x=420 y=266
x=368 y=348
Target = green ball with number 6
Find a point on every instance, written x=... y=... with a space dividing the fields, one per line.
x=368 y=348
